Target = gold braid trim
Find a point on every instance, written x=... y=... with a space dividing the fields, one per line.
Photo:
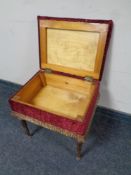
x=65 y=132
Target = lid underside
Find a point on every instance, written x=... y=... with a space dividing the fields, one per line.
x=72 y=47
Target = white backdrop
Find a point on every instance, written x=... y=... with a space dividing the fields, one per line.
x=19 y=42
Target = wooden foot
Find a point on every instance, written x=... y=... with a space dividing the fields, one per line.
x=79 y=148
x=25 y=127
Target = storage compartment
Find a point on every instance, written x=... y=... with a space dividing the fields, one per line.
x=58 y=94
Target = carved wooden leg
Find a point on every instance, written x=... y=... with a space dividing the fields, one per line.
x=79 y=147
x=25 y=127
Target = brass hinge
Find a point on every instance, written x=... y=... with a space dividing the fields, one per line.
x=90 y=79
x=47 y=70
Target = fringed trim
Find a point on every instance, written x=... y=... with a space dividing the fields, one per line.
x=65 y=132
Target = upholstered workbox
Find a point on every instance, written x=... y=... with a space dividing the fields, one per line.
x=62 y=95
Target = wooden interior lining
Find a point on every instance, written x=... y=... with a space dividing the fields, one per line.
x=30 y=89
x=100 y=53
x=72 y=48
x=76 y=34
x=58 y=94
x=63 y=102
x=68 y=83
x=42 y=77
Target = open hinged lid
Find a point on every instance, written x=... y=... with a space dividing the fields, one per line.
x=74 y=46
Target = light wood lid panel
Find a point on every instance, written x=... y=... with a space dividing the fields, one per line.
x=72 y=47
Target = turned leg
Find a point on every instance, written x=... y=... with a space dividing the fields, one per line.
x=79 y=148
x=25 y=127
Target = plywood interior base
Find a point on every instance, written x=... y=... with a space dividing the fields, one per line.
x=64 y=102
x=61 y=95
